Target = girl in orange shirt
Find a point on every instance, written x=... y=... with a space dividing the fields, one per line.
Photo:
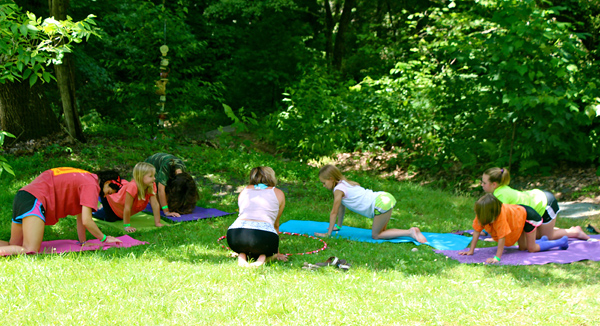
x=510 y=224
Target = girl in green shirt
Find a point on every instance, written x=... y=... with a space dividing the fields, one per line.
x=496 y=180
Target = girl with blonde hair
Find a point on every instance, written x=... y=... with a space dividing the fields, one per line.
x=366 y=202
x=133 y=198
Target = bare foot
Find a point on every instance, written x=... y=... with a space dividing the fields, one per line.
x=580 y=234
x=256 y=264
x=416 y=234
x=242 y=262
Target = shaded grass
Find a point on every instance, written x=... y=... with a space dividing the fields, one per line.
x=184 y=276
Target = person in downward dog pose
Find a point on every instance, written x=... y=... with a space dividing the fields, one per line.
x=255 y=233
x=509 y=224
x=375 y=205
x=495 y=181
x=55 y=194
x=132 y=198
x=177 y=190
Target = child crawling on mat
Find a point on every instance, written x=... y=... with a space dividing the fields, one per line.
x=496 y=181
x=132 y=198
x=255 y=233
x=510 y=224
x=366 y=202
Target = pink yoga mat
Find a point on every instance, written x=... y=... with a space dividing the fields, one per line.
x=59 y=246
x=578 y=250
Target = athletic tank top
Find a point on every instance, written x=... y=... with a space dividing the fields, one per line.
x=258 y=205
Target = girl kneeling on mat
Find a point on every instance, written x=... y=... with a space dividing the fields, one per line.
x=496 y=180
x=508 y=224
x=366 y=202
x=255 y=233
x=53 y=195
x=133 y=198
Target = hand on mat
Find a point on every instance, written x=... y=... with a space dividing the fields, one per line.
x=173 y=214
x=281 y=257
x=491 y=261
x=321 y=234
x=86 y=244
x=465 y=253
x=130 y=229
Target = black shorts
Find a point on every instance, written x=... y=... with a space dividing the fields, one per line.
x=253 y=242
x=25 y=204
x=533 y=219
x=552 y=208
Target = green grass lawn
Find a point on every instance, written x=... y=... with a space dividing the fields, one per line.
x=184 y=277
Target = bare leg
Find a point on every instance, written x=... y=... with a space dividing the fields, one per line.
x=379 y=230
x=242 y=261
x=555 y=233
x=26 y=237
x=527 y=242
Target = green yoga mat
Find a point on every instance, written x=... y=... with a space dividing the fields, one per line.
x=141 y=221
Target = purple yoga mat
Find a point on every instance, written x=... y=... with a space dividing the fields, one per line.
x=578 y=250
x=59 y=246
x=198 y=214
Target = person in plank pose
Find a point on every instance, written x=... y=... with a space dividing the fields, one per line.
x=509 y=224
x=255 y=233
x=495 y=181
x=177 y=190
x=366 y=202
x=55 y=194
x=132 y=199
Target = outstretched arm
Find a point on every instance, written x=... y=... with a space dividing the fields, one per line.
x=127 y=213
x=335 y=210
x=85 y=219
x=162 y=201
x=155 y=211
x=473 y=244
x=281 y=199
x=499 y=252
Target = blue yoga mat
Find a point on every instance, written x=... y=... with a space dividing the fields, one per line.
x=440 y=241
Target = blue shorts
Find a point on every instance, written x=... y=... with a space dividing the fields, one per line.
x=25 y=204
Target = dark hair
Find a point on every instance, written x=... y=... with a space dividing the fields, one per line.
x=487 y=209
x=109 y=175
x=182 y=193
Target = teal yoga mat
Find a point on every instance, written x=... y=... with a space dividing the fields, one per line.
x=440 y=241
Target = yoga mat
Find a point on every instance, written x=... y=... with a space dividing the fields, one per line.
x=60 y=246
x=442 y=241
x=198 y=214
x=578 y=250
x=142 y=221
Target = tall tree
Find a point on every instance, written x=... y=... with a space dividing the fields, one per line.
x=66 y=79
x=340 y=37
x=27 y=46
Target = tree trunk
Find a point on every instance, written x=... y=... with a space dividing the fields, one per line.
x=329 y=26
x=24 y=111
x=66 y=79
x=340 y=38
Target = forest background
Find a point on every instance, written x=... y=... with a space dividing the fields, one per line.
x=438 y=85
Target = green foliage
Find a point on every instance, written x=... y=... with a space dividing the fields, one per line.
x=488 y=82
x=28 y=44
x=4 y=166
x=121 y=70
